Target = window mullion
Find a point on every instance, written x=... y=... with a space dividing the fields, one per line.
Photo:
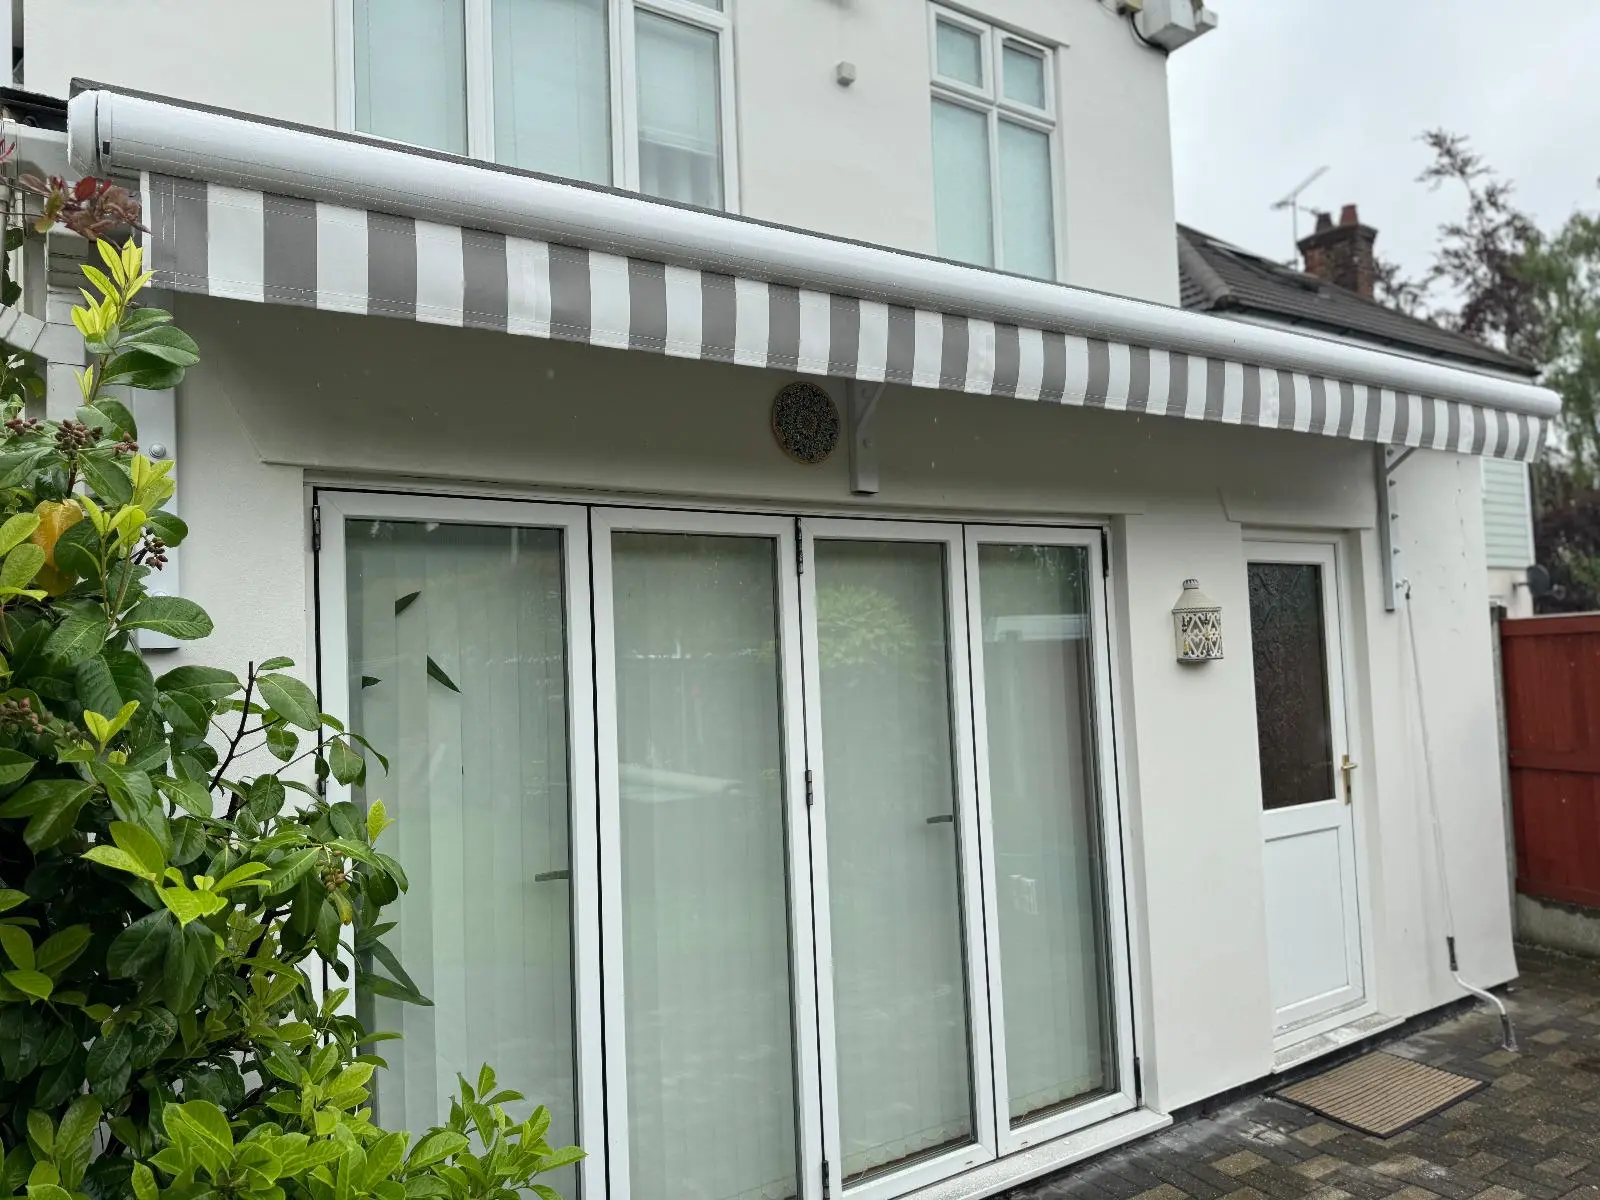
x=480 y=79
x=624 y=97
x=996 y=216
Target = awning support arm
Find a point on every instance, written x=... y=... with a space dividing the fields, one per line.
x=1386 y=459
x=861 y=409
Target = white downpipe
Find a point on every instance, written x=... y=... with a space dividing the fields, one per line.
x=117 y=132
x=1508 y=1034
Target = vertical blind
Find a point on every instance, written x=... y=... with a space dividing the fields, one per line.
x=457 y=670
x=900 y=1009
x=411 y=71
x=552 y=87
x=458 y=642
x=1038 y=699
x=705 y=977
x=680 y=123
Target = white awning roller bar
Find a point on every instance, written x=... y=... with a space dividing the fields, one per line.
x=249 y=209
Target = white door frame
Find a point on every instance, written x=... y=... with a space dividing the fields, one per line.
x=1321 y=1014
x=922 y=1172
x=802 y=960
x=337 y=507
x=1125 y=1097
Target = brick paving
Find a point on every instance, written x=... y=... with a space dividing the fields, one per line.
x=1533 y=1134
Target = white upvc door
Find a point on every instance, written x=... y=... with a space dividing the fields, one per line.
x=706 y=906
x=455 y=635
x=1060 y=1000
x=1308 y=783
x=902 y=990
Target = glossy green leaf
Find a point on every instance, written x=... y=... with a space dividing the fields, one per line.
x=108 y=477
x=82 y=634
x=21 y=565
x=203 y=683
x=140 y=946
x=291 y=699
x=30 y=983
x=51 y=806
x=17 y=529
x=282 y=742
x=346 y=764
x=172 y=615
x=15 y=766
x=60 y=950
x=18 y=946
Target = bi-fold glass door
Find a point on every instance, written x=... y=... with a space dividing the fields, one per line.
x=454 y=636
x=798 y=875
x=903 y=1002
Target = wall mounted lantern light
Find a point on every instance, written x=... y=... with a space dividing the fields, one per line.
x=1197 y=625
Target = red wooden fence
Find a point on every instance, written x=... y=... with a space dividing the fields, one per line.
x=1551 y=668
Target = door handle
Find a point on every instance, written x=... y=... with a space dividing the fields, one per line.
x=942 y=819
x=1345 y=769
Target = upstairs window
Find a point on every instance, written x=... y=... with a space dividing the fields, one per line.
x=636 y=93
x=994 y=177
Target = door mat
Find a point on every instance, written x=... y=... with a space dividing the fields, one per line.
x=1381 y=1094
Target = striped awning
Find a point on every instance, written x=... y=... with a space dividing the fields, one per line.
x=243 y=244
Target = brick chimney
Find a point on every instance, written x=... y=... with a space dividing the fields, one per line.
x=1342 y=254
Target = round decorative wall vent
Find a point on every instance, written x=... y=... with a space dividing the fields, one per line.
x=805 y=420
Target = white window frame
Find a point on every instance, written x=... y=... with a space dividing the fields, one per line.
x=990 y=100
x=333 y=660
x=622 y=63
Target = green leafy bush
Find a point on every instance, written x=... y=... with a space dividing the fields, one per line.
x=166 y=912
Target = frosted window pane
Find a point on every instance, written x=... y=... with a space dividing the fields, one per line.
x=680 y=125
x=705 y=941
x=958 y=53
x=905 y=1087
x=1027 y=219
x=1291 y=667
x=411 y=72
x=1024 y=77
x=552 y=92
x=1049 y=883
x=963 y=216
x=478 y=788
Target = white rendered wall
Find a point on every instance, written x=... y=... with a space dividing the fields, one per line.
x=856 y=162
x=359 y=400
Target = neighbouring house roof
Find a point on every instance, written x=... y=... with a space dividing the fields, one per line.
x=1219 y=277
x=249 y=209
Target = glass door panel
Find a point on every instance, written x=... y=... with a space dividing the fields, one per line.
x=1038 y=676
x=453 y=652
x=701 y=1001
x=885 y=637
x=899 y=983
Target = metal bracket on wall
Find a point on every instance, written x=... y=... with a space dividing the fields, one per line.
x=862 y=406
x=1387 y=458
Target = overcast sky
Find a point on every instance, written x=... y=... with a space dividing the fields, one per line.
x=1283 y=87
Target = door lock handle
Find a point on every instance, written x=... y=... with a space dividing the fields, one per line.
x=1345 y=769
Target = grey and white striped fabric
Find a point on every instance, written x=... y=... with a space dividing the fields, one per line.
x=247 y=245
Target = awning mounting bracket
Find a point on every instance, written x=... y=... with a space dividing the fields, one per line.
x=1387 y=459
x=862 y=398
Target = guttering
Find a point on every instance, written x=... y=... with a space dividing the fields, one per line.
x=116 y=132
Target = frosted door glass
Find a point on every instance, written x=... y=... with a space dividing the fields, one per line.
x=552 y=90
x=963 y=216
x=411 y=71
x=457 y=641
x=680 y=125
x=899 y=985
x=1045 y=799
x=1027 y=218
x=706 y=985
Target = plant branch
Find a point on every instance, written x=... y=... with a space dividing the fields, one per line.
x=233 y=746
